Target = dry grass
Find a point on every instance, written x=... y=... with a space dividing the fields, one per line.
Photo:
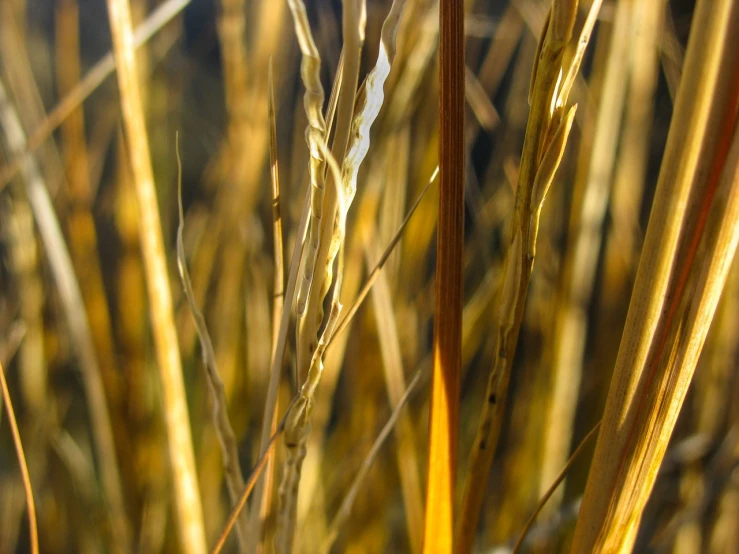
x=27 y=487
x=347 y=326
x=177 y=420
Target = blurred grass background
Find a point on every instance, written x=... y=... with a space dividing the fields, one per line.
x=204 y=76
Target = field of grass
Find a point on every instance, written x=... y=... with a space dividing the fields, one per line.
x=369 y=276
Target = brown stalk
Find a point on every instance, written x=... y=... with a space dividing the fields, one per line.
x=447 y=344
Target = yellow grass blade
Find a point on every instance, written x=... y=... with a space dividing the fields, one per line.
x=182 y=460
x=690 y=242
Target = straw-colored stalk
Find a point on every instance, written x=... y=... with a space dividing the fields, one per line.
x=221 y=421
x=24 y=261
x=713 y=414
x=281 y=339
x=133 y=346
x=91 y=81
x=547 y=130
x=346 y=504
x=76 y=318
x=392 y=364
x=339 y=196
x=581 y=254
x=278 y=303
x=187 y=494
x=321 y=249
x=630 y=173
x=690 y=242
x=315 y=135
x=312 y=500
x=447 y=344
x=30 y=504
x=248 y=487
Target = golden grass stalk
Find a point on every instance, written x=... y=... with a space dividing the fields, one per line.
x=326 y=206
x=406 y=454
x=548 y=127
x=311 y=513
x=297 y=418
x=375 y=273
x=182 y=461
x=133 y=346
x=346 y=504
x=260 y=514
x=338 y=199
x=447 y=345
x=241 y=502
x=279 y=278
x=221 y=422
x=91 y=81
x=270 y=406
x=553 y=486
x=74 y=311
x=582 y=251
x=31 y=505
x=315 y=133
x=690 y=242
x=310 y=71
x=630 y=172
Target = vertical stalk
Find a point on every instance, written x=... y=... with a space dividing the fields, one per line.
x=547 y=130
x=690 y=242
x=447 y=345
x=76 y=319
x=187 y=495
x=581 y=255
